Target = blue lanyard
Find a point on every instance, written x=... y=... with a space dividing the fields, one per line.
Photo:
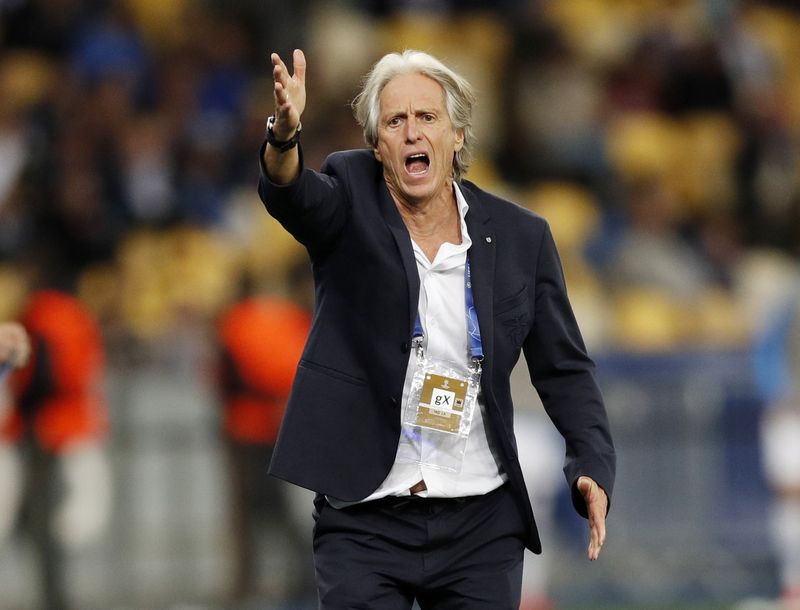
x=473 y=328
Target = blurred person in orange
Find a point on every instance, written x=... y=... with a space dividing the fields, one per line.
x=260 y=340
x=52 y=438
x=428 y=289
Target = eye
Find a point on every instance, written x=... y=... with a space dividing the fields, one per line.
x=394 y=121
x=428 y=117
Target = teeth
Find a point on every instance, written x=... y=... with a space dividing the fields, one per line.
x=418 y=156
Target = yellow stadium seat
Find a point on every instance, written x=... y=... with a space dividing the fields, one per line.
x=647 y=320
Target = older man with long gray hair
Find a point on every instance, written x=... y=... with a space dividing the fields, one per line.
x=427 y=290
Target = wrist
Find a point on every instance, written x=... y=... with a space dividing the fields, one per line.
x=280 y=141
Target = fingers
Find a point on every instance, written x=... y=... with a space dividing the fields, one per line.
x=279 y=73
x=287 y=85
x=281 y=98
x=596 y=506
x=299 y=60
x=597 y=536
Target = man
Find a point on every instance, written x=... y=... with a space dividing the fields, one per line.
x=427 y=288
x=59 y=423
x=261 y=338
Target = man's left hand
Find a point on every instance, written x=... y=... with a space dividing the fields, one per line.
x=596 y=507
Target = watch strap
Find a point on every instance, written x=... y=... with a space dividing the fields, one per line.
x=282 y=145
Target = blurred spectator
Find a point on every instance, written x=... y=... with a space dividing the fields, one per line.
x=148 y=171
x=759 y=48
x=695 y=80
x=44 y=25
x=778 y=372
x=540 y=454
x=261 y=339
x=274 y=25
x=58 y=425
x=652 y=252
x=553 y=105
x=25 y=79
x=780 y=434
x=636 y=82
x=109 y=47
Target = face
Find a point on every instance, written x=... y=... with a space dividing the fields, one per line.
x=416 y=140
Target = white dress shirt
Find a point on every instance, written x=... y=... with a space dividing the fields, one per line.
x=442 y=312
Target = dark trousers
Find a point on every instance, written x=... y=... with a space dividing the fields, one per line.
x=456 y=553
x=44 y=492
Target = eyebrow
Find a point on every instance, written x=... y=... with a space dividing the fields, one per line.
x=402 y=113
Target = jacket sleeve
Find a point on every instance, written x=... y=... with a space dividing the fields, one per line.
x=313 y=208
x=563 y=375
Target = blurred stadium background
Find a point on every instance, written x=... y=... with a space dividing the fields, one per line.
x=661 y=138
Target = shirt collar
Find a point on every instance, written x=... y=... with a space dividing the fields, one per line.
x=463 y=208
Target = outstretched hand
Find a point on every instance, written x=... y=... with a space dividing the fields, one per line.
x=290 y=94
x=596 y=507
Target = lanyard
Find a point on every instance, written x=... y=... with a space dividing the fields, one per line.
x=473 y=328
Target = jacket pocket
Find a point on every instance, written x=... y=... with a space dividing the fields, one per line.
x=508 y=303
x=330 y=372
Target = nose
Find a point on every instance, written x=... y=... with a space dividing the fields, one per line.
x=412 y=130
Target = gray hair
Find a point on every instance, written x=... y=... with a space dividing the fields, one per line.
x=459 y=98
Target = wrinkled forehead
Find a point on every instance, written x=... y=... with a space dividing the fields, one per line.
x=412 y=91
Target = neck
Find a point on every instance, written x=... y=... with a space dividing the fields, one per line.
x=432 y=222
x=427 y=216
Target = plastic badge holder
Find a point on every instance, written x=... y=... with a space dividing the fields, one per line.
x=439 y=411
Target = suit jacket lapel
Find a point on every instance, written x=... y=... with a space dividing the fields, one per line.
x=403 y=241
x=482 y=263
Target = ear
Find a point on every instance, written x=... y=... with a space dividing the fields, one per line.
x=377 y=154
x=459 y=144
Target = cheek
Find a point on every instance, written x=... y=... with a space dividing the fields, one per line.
x=389 y=161
x=446 y=159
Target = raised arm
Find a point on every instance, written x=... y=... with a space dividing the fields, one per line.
x=290 y=101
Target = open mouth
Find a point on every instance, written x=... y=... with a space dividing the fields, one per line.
x=417 y=164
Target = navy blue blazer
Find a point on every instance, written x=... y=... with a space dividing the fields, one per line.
x=341 y=428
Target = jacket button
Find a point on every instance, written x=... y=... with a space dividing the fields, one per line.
x=394 y=401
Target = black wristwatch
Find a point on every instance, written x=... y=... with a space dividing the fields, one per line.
x=282 y=145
